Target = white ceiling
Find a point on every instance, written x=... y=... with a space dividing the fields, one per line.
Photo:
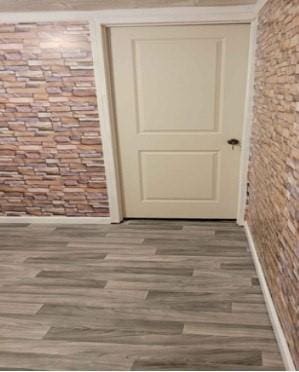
x=52 y=5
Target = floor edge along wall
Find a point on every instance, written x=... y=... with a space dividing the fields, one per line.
x=278 y=331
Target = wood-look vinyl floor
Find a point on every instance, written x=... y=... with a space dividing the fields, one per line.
x=142 y=295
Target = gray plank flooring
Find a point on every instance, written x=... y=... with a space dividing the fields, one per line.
x=142 y=295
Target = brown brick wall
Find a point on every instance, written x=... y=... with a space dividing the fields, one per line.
x=51 y=160
x=273 y=175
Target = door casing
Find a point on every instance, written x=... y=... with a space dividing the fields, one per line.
x=171 y=16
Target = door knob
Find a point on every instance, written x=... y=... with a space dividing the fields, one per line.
x=234 y=142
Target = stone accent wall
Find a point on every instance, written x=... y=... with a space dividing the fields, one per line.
x=273 y=206
x=51 y=160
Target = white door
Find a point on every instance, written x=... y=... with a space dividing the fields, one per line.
x=179 y=97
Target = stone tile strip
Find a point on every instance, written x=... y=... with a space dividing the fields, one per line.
x=273 y=174
x=51 y=160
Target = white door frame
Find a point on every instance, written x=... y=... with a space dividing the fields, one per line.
x=99 y=21
x=174 y=16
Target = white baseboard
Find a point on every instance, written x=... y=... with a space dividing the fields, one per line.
x=280 y=337
x=55 y=220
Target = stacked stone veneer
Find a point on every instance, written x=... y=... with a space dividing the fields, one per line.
x=51 y=160
x=274 y=173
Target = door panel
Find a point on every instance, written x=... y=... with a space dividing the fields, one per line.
x=164 y=66
x=178 y=183
x=179 y=96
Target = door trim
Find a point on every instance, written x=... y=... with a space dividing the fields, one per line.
x=247 y=124
x=101 y=52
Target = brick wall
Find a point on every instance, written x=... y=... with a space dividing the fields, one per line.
x=274 y=173
x=51 y=160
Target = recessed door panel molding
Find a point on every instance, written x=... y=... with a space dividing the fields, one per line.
x=175 y=170
x=164 y=66
x=179 y=97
